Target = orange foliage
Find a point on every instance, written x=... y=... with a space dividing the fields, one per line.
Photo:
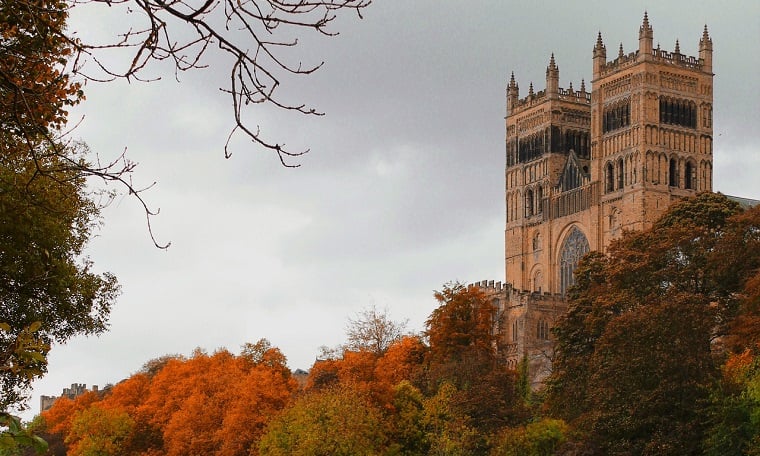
x=208 y=404
x=737 y=365
x=59 y=417
x=369 y=373
x=402 y=361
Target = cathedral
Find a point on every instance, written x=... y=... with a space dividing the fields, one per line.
x=583 y=166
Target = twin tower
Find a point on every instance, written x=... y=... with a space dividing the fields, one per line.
x=583 y=166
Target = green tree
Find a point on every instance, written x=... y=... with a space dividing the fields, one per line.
x=47 y=213
x=450 y=431
x=734 y=414
x=542 y=438
x=98 y=431
x=45 y=224
x=408 y=434
x=334 y=421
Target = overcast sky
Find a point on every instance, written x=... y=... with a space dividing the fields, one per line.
x=402 y=190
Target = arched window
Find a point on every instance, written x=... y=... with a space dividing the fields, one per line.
x=673 y=178
x=514 y=331
x=573 y=249
x=539 y=199
x=537 y=242
x=690 y=176
x=620 y=174
x=610 y=178
x=538 y=279
x=542 y=330
x=528 y=203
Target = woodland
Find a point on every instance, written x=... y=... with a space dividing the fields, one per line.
x=657 y=355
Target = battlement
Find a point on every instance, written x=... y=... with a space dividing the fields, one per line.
x=76 y=390
x=568 y=95
x=489 y=285
x=513 y=294
x=674 y=58
x=623 y=61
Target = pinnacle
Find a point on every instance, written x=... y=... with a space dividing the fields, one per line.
x=620 y=52
x=678 y=48
x=583 y=86
x=552 y=65
x=705 y=35
x=599 y=42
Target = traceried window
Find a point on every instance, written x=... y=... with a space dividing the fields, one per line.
x=573 y=249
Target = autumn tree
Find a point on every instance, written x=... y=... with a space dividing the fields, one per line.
x=462 y=338
x=47 y=213
x=636 y=351
x=734 y=412
x=462 y=324
x=204 y=404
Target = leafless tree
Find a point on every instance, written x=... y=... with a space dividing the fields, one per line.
x=254 y=37
x=252 y=34
x=373 y=330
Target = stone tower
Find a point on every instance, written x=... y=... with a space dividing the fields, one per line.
x=582 y=167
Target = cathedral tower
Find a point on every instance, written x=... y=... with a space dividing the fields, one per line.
x=651 y=140
x=583 y=167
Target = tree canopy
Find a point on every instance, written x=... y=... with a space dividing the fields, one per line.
x=47 y=211
x=638 y=352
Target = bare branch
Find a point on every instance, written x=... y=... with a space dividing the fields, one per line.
x=255 y=61
x=251 y=34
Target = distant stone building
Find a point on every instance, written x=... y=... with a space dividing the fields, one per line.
x=76 y=390
x=582 y=167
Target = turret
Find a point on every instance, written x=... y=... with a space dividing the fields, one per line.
x=552 y=79
x=646 y=38
x=705 y=51
x=513 y=94
x=600 y=56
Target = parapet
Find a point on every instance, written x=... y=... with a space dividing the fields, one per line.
x=674 y=58
x=568 y=95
